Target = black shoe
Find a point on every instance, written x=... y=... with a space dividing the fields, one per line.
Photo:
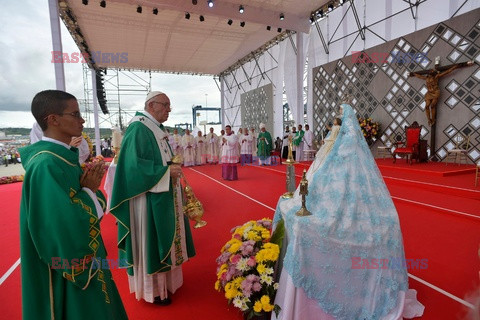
x=165 y=302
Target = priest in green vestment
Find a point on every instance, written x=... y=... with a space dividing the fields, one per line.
x=65 y=270
x=154 y=236
x=264 y=145
x=298 y=142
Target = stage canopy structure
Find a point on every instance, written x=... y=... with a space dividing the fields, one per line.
x=188 y=37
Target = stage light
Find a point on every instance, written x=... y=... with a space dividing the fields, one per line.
x=85 y=2
x=202 y=18
x=269 y=28
x=312 y=19
x=242 y=24
x=187 y=15
x=194 y=2
x=342 y=2
x=139 y=9
x=282 y=17
x=330 y=7
x=320 y=13
x=241 y=9
x=230 y=21
x=155 y=11
x=210 y=3
x=103 y=3
x=279 y=30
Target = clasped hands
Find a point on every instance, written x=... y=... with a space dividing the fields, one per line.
x=92 y=176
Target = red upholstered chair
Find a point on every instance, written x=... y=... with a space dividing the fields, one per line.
x=410 y=146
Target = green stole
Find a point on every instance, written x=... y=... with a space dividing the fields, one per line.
x=298 y=137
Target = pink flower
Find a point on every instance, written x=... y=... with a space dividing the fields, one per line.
x=235 y=258
x=257 y=286
x=251 y=261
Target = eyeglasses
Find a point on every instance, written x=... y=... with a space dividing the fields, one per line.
x=165 y=104
x=75 y=114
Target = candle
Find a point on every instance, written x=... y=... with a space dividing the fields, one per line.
x=116 y=138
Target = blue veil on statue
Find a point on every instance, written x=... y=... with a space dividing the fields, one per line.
x=353 y=222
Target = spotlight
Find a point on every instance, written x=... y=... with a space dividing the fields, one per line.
x=282 y=17
x=312 y=19
x=139 y=9
x=342 y=2
x=187 y=15
x=279 y=30
x=194 y=2
x=103 y=3
x=330 y=7
x=202 y=18
x=155 y=11
x=242 y=24
x=320 y=13
x=85 y=2
x=230 y=21
x=269 y=28
x=241 y=9
x=210 y=3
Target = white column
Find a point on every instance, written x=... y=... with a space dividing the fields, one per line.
x=56 y=43
x=222 y=100
x=299 y=83
x=95 y=113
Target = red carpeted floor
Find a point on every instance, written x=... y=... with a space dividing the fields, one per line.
x=439 y=216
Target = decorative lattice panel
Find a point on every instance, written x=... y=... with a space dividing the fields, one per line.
x=257 y=107
x=378 y=79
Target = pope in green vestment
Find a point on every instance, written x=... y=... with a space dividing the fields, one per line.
x=264 y=146
x=65 y=272
x=143 y=164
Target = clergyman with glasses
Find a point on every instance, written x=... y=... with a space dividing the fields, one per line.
x=63 y=271
x=154 y=237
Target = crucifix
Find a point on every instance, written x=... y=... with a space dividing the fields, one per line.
x=431 y=78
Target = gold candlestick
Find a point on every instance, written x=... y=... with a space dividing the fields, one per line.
x=192 y=208
x=304 y=192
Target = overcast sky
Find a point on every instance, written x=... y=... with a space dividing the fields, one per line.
x=26 y=68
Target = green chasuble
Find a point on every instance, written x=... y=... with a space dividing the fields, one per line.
x=139 y=169
x=264 y=148
x=65 y=272
x=298 y=137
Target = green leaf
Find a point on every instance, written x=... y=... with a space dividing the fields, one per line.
x=278 y=234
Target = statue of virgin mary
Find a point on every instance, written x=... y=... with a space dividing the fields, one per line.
x=338 y=261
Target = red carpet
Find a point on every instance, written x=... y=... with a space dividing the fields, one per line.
x=439 y=216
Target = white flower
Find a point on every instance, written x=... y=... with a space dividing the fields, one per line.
x=244 y=307
x=275 y=286
x=268 y=271
x=237 y=302
x=242 y=265
x=266 y=279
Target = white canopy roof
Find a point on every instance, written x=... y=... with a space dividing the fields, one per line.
x=168 y=42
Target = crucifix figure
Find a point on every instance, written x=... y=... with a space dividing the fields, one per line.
x=433 y=91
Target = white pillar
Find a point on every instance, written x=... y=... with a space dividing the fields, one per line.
x=95 y=113
x=56 y=44
x=299 y=83
x=222 y=101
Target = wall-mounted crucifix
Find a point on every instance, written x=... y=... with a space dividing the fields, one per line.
x=431 y=77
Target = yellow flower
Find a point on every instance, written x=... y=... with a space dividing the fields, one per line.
x=267 y=307
x=265 y=300
x=261 y=268
x=217 y=285
x=257 y=307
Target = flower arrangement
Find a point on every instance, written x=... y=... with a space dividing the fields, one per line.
x=370 y=129
x=246 y=269
x=11 y=179
x=89 y=164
